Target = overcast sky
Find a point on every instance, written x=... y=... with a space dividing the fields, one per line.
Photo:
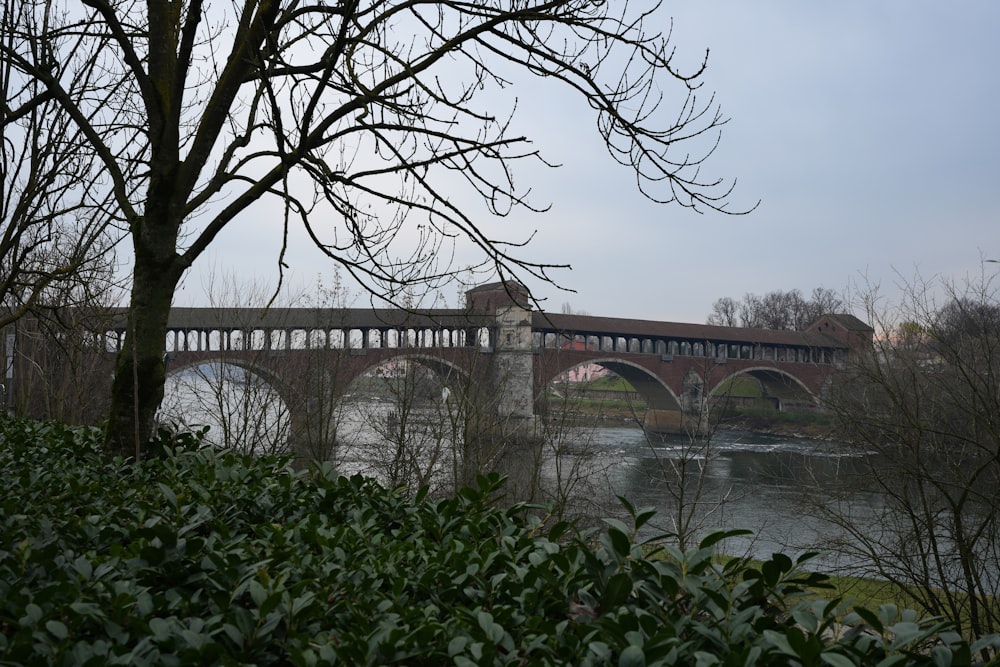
x=868 y=129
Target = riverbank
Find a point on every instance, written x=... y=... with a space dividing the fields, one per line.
x=803 y=426
x=809 y=427
x=610 y=400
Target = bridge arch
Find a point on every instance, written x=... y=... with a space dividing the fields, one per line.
x=445 y=369
x=657 y=394
x=776 y=383
x=404 y=416
x=269 y=369
x=249 y=417
x=272 y=378
x=452 y=382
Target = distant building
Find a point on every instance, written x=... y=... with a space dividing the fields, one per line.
x=846 y=329
x=584 y=372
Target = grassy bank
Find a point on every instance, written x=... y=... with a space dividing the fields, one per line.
x=803 y=425
x=594 y=407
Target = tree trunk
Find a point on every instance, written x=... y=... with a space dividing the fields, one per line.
x=137 y=389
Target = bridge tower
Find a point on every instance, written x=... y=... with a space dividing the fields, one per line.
x=511 y=375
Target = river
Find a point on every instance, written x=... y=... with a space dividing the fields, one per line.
x=772 y=485
x=768 y=484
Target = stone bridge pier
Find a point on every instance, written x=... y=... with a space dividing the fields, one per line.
x=511 y=373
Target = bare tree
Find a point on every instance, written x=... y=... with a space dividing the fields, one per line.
x=683 y=460
x=404 y=437
x=417 y=422
x=241 y=410
x=822 y=302
x=724 y=313
x=923 y=409
x=317 y=406
x=570 y=468
x=56 y=240
x=377 y=116
x=58 y=362
x=248 y=407
x=775 y=310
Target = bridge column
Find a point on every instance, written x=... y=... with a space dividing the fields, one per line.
x=513 y=364
x=689 y=414
x=311 y=397
x=510 y=376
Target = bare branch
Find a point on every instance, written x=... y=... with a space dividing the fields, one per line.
x=373 y=124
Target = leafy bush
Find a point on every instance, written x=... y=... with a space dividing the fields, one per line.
x=206 y=557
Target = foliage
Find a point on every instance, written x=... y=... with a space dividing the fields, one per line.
x=197 y=556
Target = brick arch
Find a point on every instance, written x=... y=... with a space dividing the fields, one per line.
x=777 y=382
x=273 y=379
x=658 y=394
x=441 y=366
x=290 y=371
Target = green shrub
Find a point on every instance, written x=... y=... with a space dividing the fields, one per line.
x=205 y=557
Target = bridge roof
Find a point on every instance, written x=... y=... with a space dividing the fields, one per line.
x=613 y=326
x=377 y=318
x=322 y=318
x=309 y=318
